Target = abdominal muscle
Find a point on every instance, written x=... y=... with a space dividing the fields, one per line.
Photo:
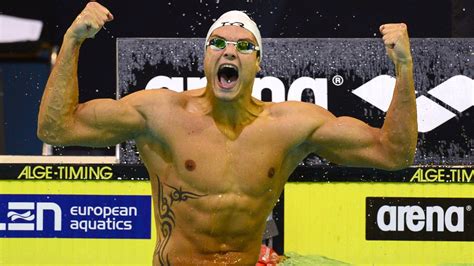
x=213 y=229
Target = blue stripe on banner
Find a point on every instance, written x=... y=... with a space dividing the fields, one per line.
x=75 y=216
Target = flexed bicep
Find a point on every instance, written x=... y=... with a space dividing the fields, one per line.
x=101 y=122
x=104 y=122
x=61 y=119
x=349 y=141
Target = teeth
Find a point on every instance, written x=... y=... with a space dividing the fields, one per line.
x=228 y=81
x=229 y=66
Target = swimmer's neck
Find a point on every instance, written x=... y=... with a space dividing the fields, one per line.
x=235 y=114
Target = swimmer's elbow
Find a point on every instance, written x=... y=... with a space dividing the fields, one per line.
x=42 y=132
x=396 y=154
x=44 y=136
x=50 y=134
x=400 y=160
x=398 y=165
x=406 y=160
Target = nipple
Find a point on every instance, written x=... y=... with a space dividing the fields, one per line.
x=190 y=165
x=271 y=172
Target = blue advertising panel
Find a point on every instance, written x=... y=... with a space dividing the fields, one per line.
x=75 y=216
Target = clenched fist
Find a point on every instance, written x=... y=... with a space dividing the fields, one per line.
x=89 y=22
x=397 y=42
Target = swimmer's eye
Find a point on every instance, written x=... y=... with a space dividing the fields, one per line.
x=244 y=47
x=217 y=43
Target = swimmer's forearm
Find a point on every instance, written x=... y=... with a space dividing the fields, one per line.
x=61 y=94
x=56 y=121
x=400 y=128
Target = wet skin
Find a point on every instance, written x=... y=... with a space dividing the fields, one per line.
x=217 y=158
x=238 y=181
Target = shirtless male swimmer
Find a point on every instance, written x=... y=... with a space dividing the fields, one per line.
x=217 y=158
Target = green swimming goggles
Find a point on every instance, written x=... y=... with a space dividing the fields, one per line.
x=244 y=47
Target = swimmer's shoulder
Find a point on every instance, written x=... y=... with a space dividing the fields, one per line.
x=194 y=93
x=153 y=97
x=297 y=110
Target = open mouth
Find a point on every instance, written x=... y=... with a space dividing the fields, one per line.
x=227 y=75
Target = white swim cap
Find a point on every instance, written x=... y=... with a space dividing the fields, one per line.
x=238 y=18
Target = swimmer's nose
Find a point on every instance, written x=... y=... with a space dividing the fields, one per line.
x=229 y=56
x=230 y=51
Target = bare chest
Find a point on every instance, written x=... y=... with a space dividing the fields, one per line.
x=195 y=153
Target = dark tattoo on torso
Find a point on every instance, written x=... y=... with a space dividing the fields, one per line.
x=167 y=216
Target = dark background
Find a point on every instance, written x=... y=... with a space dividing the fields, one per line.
x=23 y=85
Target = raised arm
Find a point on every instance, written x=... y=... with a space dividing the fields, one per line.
x=62 y=120
x=348 y=141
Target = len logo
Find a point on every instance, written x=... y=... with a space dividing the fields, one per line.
x=19 y=212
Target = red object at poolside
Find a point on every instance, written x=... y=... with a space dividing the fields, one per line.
x=267 y=257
